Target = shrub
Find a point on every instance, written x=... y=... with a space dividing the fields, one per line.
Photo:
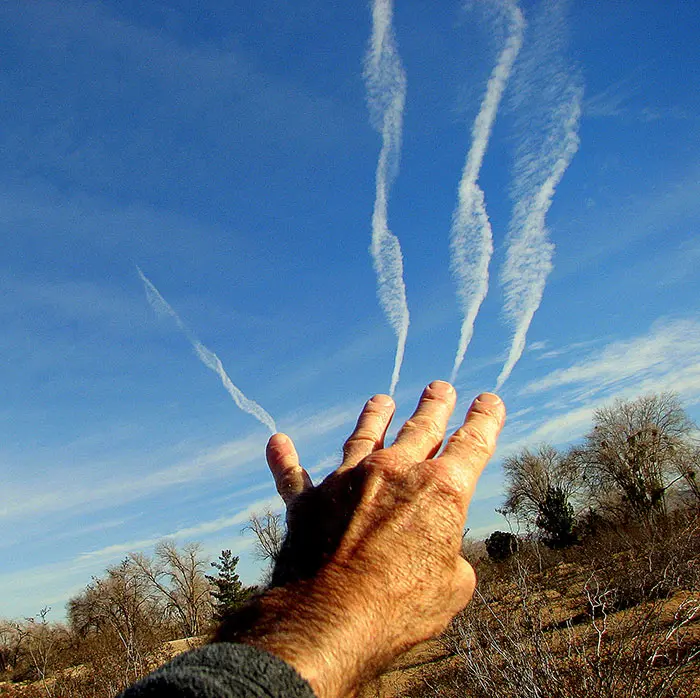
x=556 y=519
x=615 y=617
x=501 y=545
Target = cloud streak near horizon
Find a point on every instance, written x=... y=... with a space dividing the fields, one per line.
x=665 y=358
x=471 y=238
x=207 y=357
x=550 y=98
x=386 y=95
x=662 y=359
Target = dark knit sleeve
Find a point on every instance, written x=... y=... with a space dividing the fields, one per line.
x=222 y=670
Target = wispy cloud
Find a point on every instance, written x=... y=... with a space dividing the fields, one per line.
x=303 y=428
x=386 y=95
x=568 y=349
x=130 y=484
x=641 y=220
x=550 y=99
x=666 y=358
x=133 y=482
x=196 y=532
x=325 y=465
x=70 y=300
x=208 y=358
x=618 y=100
x=25 y=591
x=471 y=239
x=557 y=430
x=682 y=265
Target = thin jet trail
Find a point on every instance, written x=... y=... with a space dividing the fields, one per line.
x=386 y=95
x=471 y=239
x=551 y=97
x=206 y=356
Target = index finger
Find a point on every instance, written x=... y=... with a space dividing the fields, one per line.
x=472 y=445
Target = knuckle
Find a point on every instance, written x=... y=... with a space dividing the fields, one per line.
x=364 y=434
x=350 y=449
x=359 y=443
x=426 y=425
x=387 y=459
x=474 y=438
x=386 y=466
x=449 y=483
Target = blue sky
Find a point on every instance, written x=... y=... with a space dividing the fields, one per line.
x=227 y=150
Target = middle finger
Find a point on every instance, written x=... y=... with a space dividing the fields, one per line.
x=421 y=436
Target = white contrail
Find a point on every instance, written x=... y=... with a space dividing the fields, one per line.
x=529 y=256
x=386 y=95
x=207 y=357
x=471 y=240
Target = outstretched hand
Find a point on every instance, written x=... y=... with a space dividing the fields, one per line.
x=371 y=564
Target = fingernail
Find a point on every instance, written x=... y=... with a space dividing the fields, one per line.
x=488 y=399
x=441 y=388
x=278 y=439
x=382 y=400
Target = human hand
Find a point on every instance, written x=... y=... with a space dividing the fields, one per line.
x=371 y=564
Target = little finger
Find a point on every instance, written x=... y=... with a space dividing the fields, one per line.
x=282 y=459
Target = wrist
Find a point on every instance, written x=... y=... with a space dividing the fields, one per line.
x=316 y=628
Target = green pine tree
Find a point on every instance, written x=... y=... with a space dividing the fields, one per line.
x=228 y=590
x=556 y=519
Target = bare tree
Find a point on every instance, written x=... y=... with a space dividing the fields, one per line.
x=269 y=531
x=121 y=614
x=636 y=451
x=688 y=468
x=178 y=576
x=32 y=650
x=45 y=643
x=12 y=645
x=541 y=486
x=531 y=475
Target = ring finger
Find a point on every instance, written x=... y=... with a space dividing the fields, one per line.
x=369 y=432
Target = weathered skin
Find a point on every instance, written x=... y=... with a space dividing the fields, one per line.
x=372 y=564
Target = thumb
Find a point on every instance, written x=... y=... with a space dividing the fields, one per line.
x=464 y=583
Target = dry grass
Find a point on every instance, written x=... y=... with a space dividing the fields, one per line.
x=619 y=616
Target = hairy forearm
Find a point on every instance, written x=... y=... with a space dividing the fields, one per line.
x=316 y=627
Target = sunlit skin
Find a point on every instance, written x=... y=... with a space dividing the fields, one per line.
x=372 y=563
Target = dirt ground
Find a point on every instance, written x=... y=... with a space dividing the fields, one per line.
x=411 y=668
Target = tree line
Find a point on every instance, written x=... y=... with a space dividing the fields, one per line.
x=640 y=458
x=119 y=627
